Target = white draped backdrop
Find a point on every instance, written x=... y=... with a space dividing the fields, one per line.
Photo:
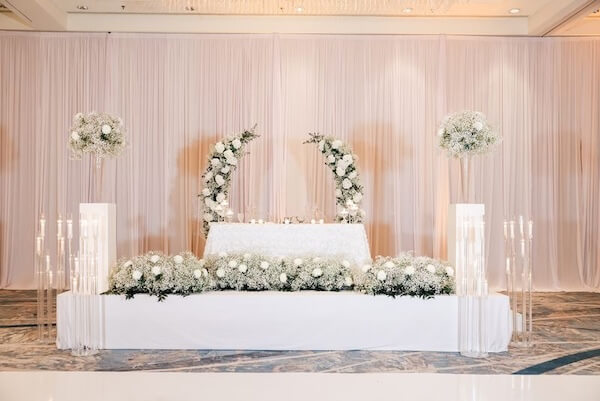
x=385 y=95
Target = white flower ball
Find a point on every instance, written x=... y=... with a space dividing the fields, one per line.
x=283 y=278
x=352 y=175
x=348 y=281
x=219 y=147
x=243 y=268
x=232 y=160
x=106 y=129
x=478 y=126
x=317 y=272
x=264 y=265
x=136 y=274
x=233 y=264
x=449 y=271
x=346 y=264
x=75 y=136
x=220 y=197
x=340 y=171
x=366 y=268
x=206 y=192
x=228 y=153
x=197 y=273
x=236 y=143
x=346 y=184
x=348 y=159
x=225 y=170
x=178 y=259
x=330 y=159
x=127 y=264
x=220 y=273
x=219 y=180
x=215 y=162
x=321 y=145
x=208 y=217
x=410 y=270
x=381 y=275
x=156 y=270
x=389 y=264
x=336 y=144
x=357 y=197
x=154 y=258
x=298 y=262
x=430 y=268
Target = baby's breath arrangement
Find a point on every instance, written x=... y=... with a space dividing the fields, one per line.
x=467 y=133
x=99 y=133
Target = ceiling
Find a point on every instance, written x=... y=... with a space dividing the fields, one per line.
x=462 y=17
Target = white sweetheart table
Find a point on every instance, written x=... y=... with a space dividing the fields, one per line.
x=347 y=241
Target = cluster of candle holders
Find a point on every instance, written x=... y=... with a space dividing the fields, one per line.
x=519 y=269
x=472 y=288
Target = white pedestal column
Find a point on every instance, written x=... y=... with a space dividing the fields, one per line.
x=106 y=214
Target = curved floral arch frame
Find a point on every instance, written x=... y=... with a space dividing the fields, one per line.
x=348 y=189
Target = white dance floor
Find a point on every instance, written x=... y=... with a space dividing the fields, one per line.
x=304 y=320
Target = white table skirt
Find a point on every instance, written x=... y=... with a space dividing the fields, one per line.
x=304 y=320
x=348 y=241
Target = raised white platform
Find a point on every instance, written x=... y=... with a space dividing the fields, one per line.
x=304 y=320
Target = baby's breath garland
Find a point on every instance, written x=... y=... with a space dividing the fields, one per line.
x=348 y=190
x=184 y=274
x=222 y=162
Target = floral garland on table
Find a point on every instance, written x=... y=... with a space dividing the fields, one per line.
x=467 y=133
x=406 y=275
x=184 y=274
x=223 y=160
x=348 y=190
x=99 y=133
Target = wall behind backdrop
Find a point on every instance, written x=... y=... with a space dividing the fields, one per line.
x=385 y=95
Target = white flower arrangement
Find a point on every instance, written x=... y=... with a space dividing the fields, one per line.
x=99 y=133
x=223 y=161
x=348 y=190
x=406 y=275
x=467 y=133
x=160 y=275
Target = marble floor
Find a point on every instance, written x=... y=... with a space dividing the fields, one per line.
x=566 y=335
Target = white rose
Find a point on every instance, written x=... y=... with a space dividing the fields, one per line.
x=283 y=278
x=205 y=272
x=430 y=268
x=352 y=175
x=348 y=281
x=219 y=147
x=478 y=126
x=206 y=192
x=215 y=162
x=345 y=263
x=330 y=159
x=340 y=171
x=208 y=217
x=236 y=143
x=178 y=259
x=338 y=192
x=336 y=144
x=220 y=273
x=75 y=136
x=228 y=153
x=243 y=268
x=136 y=274
x=346 y=184
x=389 y=264
x=106 y=129
x=317 y=272
x=197 y=273
x=154 y=258
x=348 y=159
x=321 y=145
x=264 y=265
x=220 y=197
x=449 y=271
x=232 y=160
x=381 y=275
x=297 y=262
x=222 y=254
x=219 y=180
x=156 y=270
x=233 y=264
x=410 y=270
x=366 y=268
x=225 y=170
x=127 y=264
x=208 y=176
x=357 y=197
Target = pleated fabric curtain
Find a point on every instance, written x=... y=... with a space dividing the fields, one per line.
x=384 y=95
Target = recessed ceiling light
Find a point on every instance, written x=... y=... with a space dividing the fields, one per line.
x=299 y=9
x=407 y=10
x=514 y=10
x=82 y=8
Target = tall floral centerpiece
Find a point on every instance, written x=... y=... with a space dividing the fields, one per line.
x=465 y=134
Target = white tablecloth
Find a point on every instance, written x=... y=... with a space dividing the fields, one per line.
x=348 y=241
